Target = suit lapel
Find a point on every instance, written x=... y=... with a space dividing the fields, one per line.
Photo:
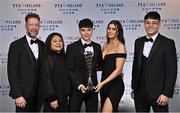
x=140 y=53
x=81 y=50
x=25 y=44
x=154 y=47
x=95 y=54
x=40 y=49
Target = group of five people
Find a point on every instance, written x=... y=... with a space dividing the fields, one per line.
x=43 y=73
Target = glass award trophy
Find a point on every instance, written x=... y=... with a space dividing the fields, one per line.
x=88 y=60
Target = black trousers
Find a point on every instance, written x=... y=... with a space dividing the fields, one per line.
x=31 y=106
x=77 y=99
x=62 y=106
x=143 y=102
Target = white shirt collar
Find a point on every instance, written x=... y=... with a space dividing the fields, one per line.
x=84 y=42
x=153 y=37
x=29 y=38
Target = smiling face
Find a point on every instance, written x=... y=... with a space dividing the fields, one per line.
x=32 y=27
x=151 y=26
x=86 y=33
x=112 y=31
x=56 y=44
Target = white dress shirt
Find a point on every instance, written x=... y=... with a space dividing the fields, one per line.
x=34 y=47
x=90 y=49
x=148 y=45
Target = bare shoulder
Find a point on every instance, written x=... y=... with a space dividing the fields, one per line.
x=121 y=48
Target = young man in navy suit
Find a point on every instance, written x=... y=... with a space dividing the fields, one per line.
x=78 y=71
x=24 y=59
x=154 y=70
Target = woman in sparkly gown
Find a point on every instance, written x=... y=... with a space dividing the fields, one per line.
x=111 y=86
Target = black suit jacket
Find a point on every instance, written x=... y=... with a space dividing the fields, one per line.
x=23 y=69
x=76 y=63
x=161 y=67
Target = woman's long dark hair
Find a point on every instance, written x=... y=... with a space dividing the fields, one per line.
x=47 y=55
x=47 y=46
x=120 y=35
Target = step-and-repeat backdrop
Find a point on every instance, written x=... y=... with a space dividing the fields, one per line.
x=63 y=16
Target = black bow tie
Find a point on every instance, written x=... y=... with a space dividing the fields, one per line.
x=148 y=40
x=33 y=41
x=86 y=45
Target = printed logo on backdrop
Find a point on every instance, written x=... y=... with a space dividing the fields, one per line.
x=109 y=8
x=4 y=90
x=177 y=89
x=8 y=24
x=50 y=25
x=151 y=6
x=3 y=57
x=96 y=23
x=70 y=39
x=25 y=8
x=101 y=39
x=131 y=24
x=130 y=57
x=178 y=56
x=127 y=89
x=171 y=24
x=68 y=8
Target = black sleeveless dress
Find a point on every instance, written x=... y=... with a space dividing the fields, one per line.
x=114 y=89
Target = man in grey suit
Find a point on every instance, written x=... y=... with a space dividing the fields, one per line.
x=24 y=59
x=154 y=70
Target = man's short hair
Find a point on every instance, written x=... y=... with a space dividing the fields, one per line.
x=152 y=15
x=32 y=15
x=86 y=23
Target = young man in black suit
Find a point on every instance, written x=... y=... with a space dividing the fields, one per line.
x=154 y=70
x=24 y=58
x=78 y=71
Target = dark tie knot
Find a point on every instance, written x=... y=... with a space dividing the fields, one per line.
x=87 y=45
x=148 y=40
x=33 y=41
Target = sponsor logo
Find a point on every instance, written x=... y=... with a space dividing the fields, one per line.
x=131 y=24
x=50 y=25
x=3 y=58
x=25 y=8
x=70 y=39
x=171 y=24
x=151 y=6
x=8 y=24
x=4 y=89
x=109 y=8
x=68 y=8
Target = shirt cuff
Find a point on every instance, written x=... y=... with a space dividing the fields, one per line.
x=79 y=87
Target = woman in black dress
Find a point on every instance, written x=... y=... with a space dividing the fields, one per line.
x=54 y=77
x=114 y=55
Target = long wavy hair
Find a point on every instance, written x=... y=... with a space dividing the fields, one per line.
x=119 y=28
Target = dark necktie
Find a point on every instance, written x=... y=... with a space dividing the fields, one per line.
x=33 y=41
x=87 y=45
x=148 y=40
